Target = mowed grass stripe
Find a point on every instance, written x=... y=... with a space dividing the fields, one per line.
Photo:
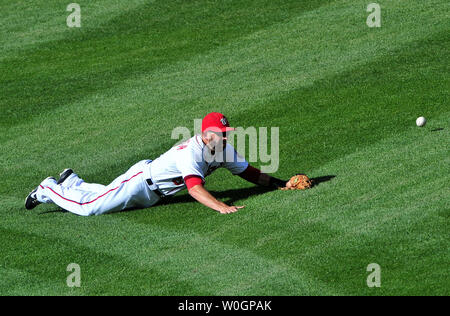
x=270 y=284
x=282 y=231
x=161 y=262
x=331 y=10
x=101 y=273
x=384 y=214
x=138 y=119
x=18 y=282
x=399 y=220
x=46 y=256
x=351 y=110
x=131 y=44
x=368 y=213
x=32 y=25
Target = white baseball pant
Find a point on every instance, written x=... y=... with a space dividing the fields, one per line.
x=129 y=191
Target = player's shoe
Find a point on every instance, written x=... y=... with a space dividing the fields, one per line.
x=31 y=201
x=64 y=175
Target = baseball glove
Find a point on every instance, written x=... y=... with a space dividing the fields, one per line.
x=299 y=182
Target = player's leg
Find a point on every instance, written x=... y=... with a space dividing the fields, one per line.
x=65 y=197
x=130 y=190
x=75 y=182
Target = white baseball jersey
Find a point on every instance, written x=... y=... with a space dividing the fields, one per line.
x=192 y=158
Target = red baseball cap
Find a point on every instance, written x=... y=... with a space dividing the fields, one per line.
x=216 y=122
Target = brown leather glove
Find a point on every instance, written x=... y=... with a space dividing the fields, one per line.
x=299 y=182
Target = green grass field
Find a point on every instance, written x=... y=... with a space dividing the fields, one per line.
x=345 y=98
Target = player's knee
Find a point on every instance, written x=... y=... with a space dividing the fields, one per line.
x=98 y=211
x=92 y=212
x=86 y=212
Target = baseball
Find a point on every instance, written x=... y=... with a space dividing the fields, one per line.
x=421 y=121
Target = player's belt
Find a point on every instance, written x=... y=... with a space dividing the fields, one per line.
x=154 y=188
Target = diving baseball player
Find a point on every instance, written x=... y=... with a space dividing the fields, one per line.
x=147 y=182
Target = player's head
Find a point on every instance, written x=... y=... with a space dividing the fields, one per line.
x=215 y=128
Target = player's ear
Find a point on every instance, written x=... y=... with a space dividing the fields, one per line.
x=207 y=135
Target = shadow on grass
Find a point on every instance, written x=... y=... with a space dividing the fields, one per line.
x=53 y=211
x=319 y=180
x=437 y=129
x=228 y=196
x=234 y=195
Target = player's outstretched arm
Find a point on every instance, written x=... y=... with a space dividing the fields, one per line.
x=255 y=176
x=202 y=195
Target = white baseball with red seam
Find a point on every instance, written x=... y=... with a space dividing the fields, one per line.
x=421 y=121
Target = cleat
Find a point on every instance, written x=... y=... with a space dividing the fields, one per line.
x=64 y=175
x=31 y=201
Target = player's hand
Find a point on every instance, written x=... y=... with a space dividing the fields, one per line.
x=230 y=209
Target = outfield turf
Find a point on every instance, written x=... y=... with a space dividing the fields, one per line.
x=344 y=96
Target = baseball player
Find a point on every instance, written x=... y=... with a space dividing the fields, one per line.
x=148 y=182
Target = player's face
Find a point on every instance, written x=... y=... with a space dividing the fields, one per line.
x=216 y=139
